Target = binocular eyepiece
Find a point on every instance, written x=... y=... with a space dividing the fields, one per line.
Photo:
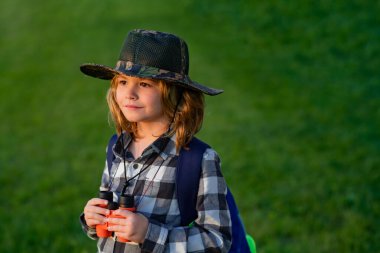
x=126 y=202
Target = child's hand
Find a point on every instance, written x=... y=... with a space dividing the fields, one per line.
x=95 y=212
x=133 y=227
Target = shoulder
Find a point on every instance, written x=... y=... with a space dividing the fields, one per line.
x=210 y=155
x=211 y=164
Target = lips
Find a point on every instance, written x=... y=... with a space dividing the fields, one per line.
x=132 y=107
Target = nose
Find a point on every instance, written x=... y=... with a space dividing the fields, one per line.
x=130 y=92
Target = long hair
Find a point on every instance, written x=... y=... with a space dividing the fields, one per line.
x=183 y=107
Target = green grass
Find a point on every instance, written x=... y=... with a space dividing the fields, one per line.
x=297 y=127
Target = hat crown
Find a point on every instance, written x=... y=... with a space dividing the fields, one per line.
x=156 y=49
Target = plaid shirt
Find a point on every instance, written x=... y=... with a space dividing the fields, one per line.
x=155 y=198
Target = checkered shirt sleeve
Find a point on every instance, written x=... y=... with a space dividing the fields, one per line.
x=212 y=229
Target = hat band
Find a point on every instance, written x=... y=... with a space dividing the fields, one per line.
x=130 y=68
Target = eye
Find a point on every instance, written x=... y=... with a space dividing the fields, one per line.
x=122 y=82
x=145 y=84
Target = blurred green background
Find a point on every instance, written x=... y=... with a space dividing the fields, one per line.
x=297 y=127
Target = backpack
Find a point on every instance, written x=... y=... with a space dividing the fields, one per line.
x=188 y=173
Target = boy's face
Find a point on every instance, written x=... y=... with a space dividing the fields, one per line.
x=139 y=99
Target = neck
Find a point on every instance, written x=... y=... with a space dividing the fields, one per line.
x=151 y=131
x=147 y=134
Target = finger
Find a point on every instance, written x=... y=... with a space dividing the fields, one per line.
x=116 y=221
x=97 y=201
x=93 y=222
x=124 y=213
x=96 y=209
x=116 y=228
x=95 y=216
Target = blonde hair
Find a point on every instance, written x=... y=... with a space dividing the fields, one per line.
x=186 y=104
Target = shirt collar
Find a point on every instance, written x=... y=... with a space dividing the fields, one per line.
x=163 y=146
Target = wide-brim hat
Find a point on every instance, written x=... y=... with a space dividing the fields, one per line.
x=151 y=54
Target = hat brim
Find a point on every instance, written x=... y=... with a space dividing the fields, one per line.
x=131 y=69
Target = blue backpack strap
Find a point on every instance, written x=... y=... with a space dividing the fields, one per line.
x=110 y=155
x=239 y=241
x=188 y=173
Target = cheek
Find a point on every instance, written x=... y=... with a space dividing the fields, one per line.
x=118 y=97
x=157 y=105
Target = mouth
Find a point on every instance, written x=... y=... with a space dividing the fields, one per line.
x=132 y=107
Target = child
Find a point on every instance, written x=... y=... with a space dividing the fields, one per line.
x=157 y=109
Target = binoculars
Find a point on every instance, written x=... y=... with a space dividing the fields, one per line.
x=126 y=203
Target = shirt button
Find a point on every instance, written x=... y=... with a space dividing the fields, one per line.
x=135 y=166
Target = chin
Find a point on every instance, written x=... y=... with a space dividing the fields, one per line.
x=133 y=120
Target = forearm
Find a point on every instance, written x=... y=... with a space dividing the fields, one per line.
x=198 y=238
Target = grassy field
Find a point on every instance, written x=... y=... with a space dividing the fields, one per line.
x=297 y=127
